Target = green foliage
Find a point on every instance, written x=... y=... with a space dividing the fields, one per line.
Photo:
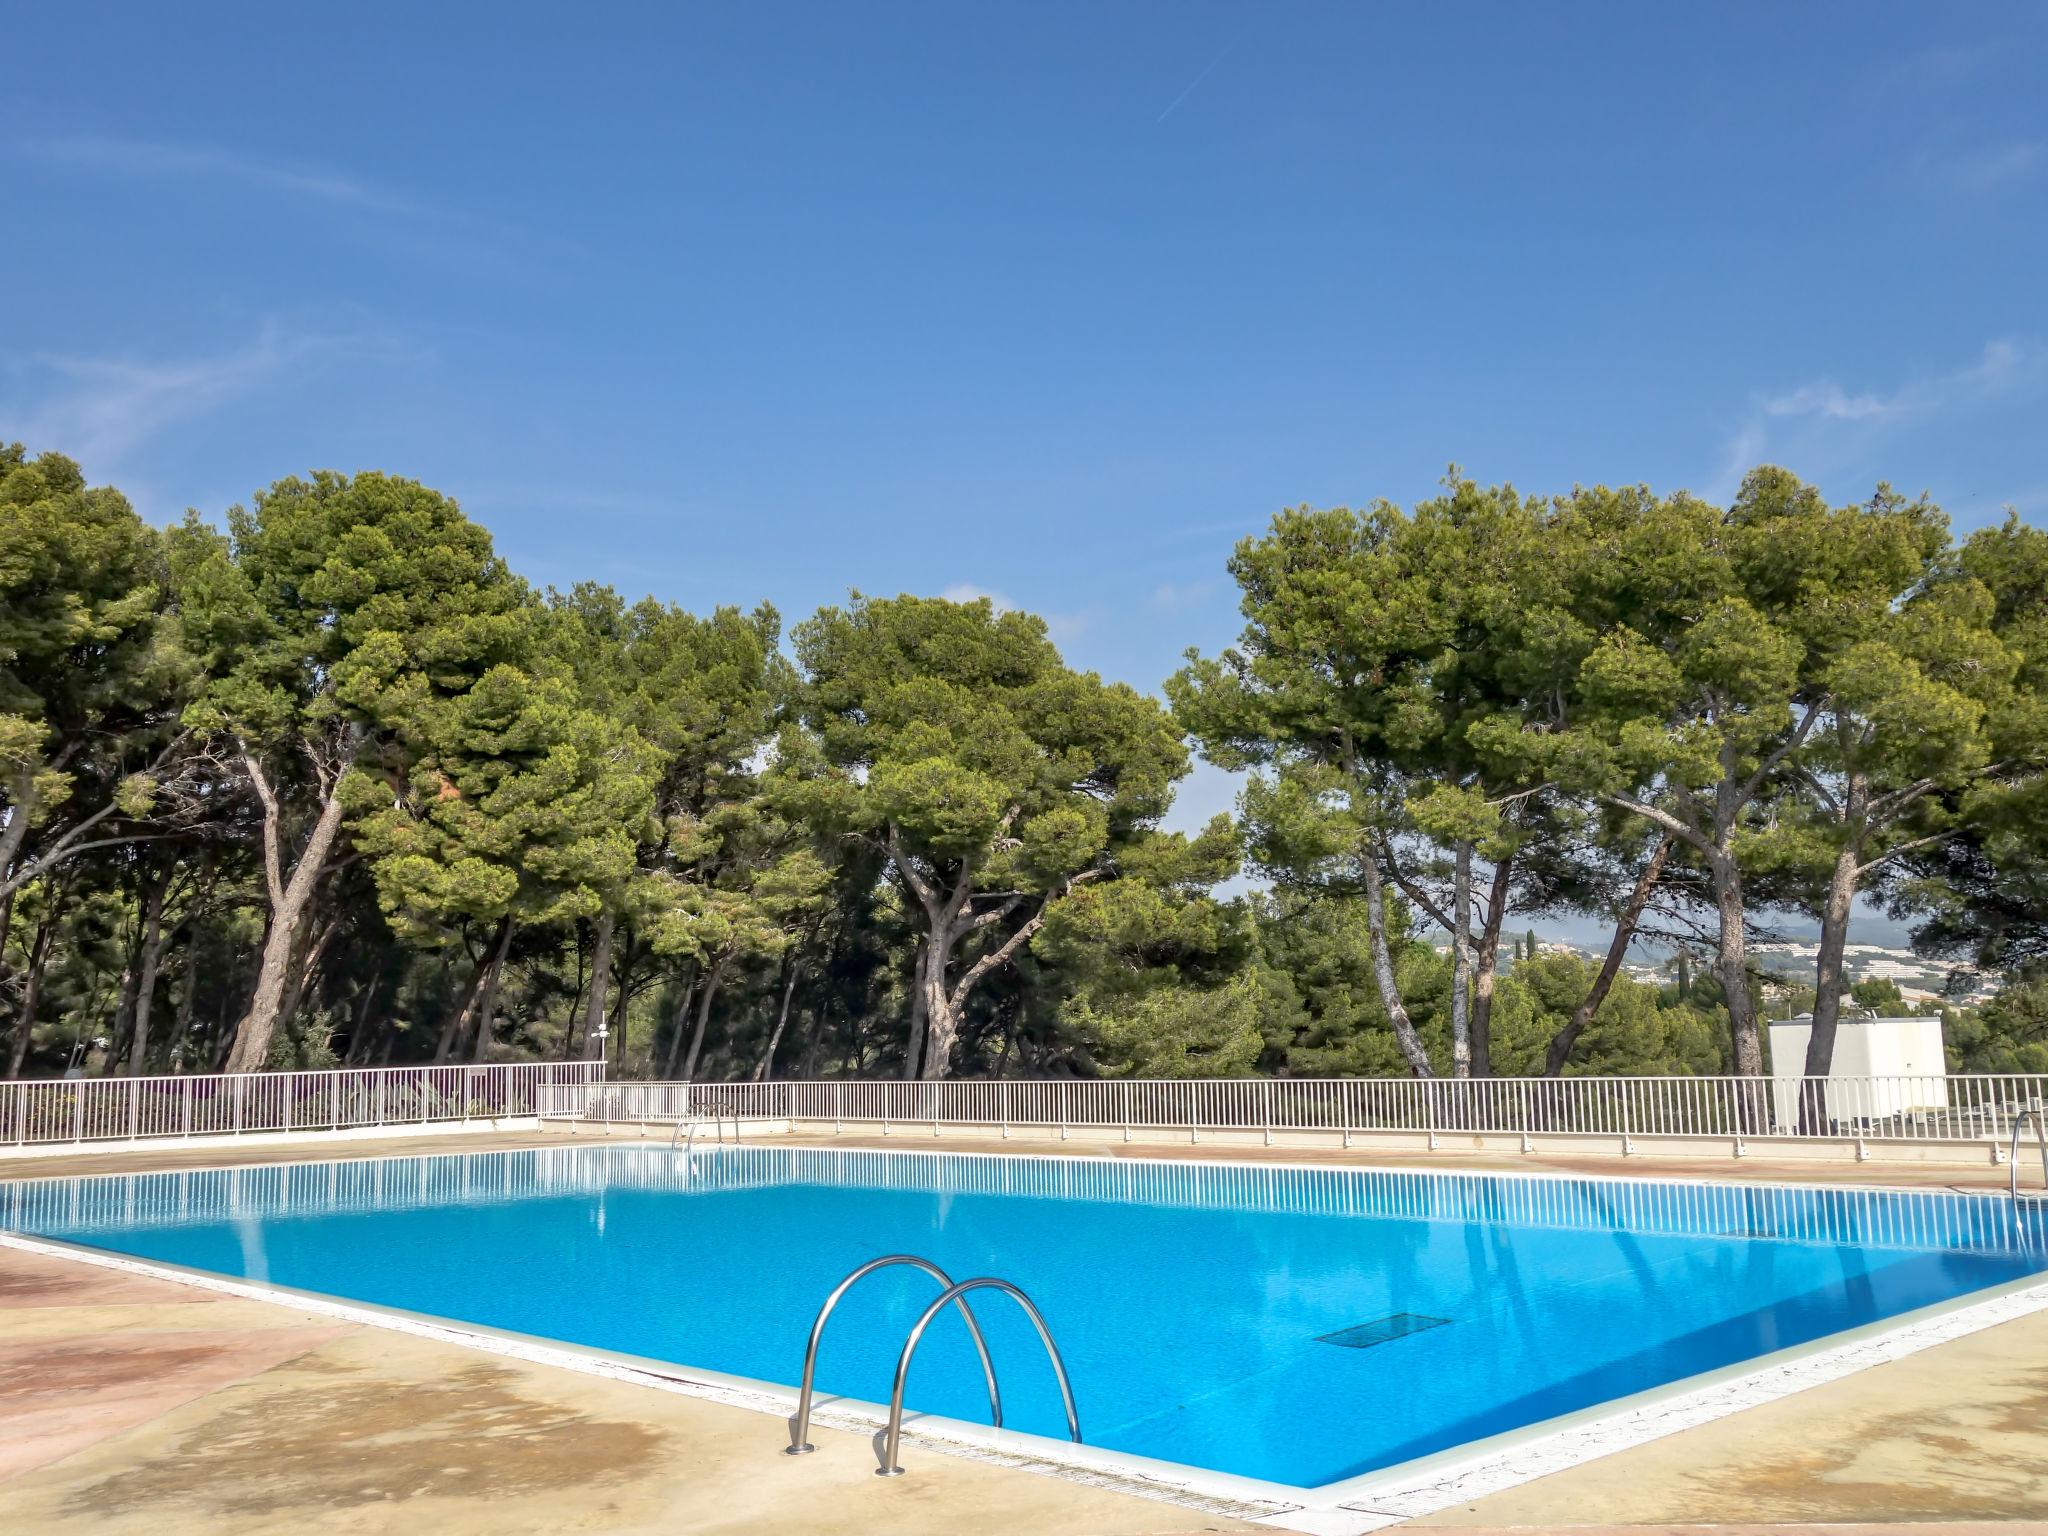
x=518 y=802
x=2008 y=1034
x=919 y=839
x=91 y=672
x=367 y=598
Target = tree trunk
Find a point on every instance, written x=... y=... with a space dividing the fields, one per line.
x=1383 y=971
x=679 y=1026
x=600 y=982
x=1827 y=999
x=1731 y=965
x=361 y=1031
x=1488 y=969
x=1461 y=962
x=710 y=990
x=124 y=1014
x=188 y=1001
x=452 y=1026
x=487 y=1001
x=913 y=1050
x=941 y=1024
x=287 y=908
x=153 y=939
x=790 y=967
x=32 y=984
x=1624 y=933
x=302 y=974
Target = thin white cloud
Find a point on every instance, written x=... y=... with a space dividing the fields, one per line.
x=435 y=230
x=149 y=158
x=1063 y=628
x=1830 y=400
x=99 y=410
x=1984 y=169
x=1178 y=596
x=2003 y=366
x=1823 y=415
x=968 y=592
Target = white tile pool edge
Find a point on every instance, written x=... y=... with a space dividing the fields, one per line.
x=1368 y=1502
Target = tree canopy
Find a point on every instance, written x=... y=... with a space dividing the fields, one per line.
x=322 y=779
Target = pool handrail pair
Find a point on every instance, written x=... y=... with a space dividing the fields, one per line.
x=718 y=1123
x=953 y=1294
x=2031 y=1112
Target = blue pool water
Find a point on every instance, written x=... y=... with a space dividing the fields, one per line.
x=1195 y=1304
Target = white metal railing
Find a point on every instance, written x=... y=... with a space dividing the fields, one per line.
x=1933 y=1107
x=1956 y=1108
x=68 y=1110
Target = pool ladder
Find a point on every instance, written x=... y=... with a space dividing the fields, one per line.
x=2031 y=1112
x=951 y=1294
x=718 y=1120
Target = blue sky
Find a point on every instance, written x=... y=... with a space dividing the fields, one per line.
x=1049 y=301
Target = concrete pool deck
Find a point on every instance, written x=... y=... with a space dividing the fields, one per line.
x=130 y=1404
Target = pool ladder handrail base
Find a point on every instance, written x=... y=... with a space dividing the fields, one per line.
x=799 y=1428
x=893 y=1436
x=692 y=1122
x=2030 y=1112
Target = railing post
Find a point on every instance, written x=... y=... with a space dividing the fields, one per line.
x=134 y=1107
x=1266 y=1108
x=241 y=1081
x=1123 y=1100
x=838 y=1108
x=1003 y=1100
x=78 y=1087
x=1522 y=1093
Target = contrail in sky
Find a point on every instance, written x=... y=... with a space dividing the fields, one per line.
x=1189 y=89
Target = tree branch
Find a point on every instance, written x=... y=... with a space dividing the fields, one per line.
x=1783 y=750
x=917 y=883
x=273 y=873
x=1660 y=817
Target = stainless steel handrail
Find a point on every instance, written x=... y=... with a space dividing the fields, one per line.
x=718 y=1131
x=2013 y=1155
x=800 y=1426
x=894 y=1436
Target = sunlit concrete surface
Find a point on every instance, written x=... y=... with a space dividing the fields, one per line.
x=133 y=1407
x=1957 y=1433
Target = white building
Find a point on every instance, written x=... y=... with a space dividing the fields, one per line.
x=1881 y=1067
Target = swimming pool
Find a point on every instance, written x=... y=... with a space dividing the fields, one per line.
x=1291 y=1325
